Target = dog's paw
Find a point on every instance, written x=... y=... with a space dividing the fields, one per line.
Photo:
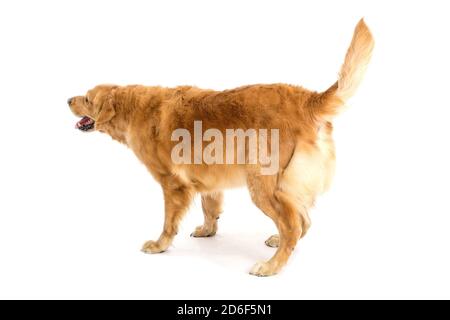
x=202 y=231
x=273 y=241
x=152 y=247
x=263 y=269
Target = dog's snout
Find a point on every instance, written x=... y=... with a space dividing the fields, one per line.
x=69 y=101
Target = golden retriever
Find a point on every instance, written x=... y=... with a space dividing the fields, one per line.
x=145 y=119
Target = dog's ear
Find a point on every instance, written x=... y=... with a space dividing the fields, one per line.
x=107 y=110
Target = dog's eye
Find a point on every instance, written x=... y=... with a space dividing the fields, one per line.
x=86 y=100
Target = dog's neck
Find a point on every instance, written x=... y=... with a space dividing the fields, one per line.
x=115 y=130
x=133 y=100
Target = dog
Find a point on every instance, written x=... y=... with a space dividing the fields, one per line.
x=145 y=118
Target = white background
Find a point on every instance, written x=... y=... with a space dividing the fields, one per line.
x=75 y=208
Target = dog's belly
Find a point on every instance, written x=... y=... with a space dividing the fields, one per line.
x=212 y=177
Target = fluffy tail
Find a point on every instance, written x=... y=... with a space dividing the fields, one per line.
x=330 y=102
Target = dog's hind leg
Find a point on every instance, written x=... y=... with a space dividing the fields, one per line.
x=274 y=240
x=275 y=204
x=177 y=198
x=212 y=208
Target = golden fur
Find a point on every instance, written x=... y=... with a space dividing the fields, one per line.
x=143 y=118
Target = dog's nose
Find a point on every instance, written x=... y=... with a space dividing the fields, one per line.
x=69 y=101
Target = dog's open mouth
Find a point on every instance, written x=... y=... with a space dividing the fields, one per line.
x=85 y=124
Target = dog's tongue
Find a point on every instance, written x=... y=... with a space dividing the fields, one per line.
x=85 y=123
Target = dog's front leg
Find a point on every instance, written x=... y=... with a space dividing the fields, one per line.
x=212 y=208
x=177 y=198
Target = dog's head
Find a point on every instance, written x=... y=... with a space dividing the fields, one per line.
x=96 y=108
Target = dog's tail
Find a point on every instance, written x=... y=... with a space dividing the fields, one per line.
x=330 y=102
